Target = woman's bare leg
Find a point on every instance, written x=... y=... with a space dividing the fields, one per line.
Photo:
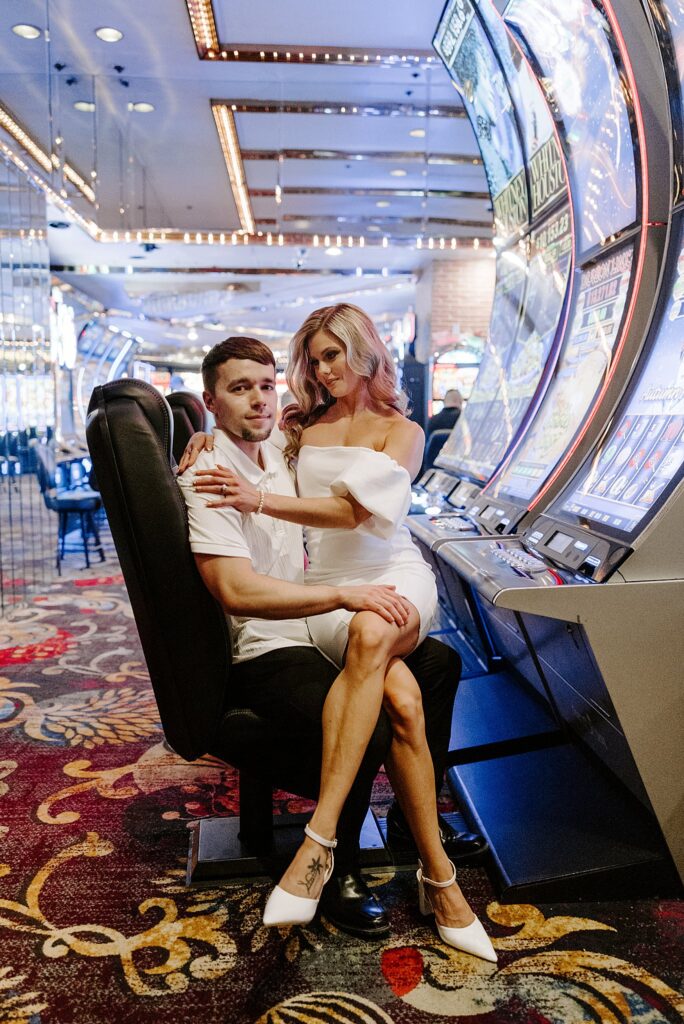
x=410 y=771
x=350 y=714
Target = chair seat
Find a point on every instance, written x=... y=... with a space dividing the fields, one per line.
x=81 y=499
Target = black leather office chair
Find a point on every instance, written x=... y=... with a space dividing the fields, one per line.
x=184 y=633
x=189 y=416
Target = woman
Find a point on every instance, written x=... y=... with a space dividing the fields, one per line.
x=357 y=453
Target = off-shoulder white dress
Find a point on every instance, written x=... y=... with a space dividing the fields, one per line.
x=380 y=550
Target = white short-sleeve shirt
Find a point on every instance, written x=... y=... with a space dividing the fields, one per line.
x=275 y=548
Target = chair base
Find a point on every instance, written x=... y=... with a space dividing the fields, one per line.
x=218 y=853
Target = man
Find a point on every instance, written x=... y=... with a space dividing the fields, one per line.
x=253 y=565
x=447 y=416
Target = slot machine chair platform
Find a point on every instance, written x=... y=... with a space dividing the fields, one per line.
x=186 y=643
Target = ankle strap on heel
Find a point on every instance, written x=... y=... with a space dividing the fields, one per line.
x=437 y=885
x=330 y=844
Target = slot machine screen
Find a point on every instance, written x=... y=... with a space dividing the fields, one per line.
x=572 y=44
x=464 y=47
x=546 y=174
x=585 y=357
x=547 y=281
x=463 y=449
x=641 y=459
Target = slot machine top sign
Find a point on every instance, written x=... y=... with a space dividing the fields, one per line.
x=546 y=174
x=464 y=47
x=572 y=44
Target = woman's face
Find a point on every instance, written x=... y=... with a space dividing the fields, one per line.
x=328 y=361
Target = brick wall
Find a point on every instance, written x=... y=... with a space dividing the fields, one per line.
x=453 y=293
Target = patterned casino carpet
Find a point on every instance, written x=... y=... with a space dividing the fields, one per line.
x=96 y=923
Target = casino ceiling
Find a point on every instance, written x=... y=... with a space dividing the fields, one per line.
x=234 y=162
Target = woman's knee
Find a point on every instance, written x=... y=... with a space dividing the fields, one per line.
x=369 y=635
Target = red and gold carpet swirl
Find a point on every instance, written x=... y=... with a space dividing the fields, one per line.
x=96 y=923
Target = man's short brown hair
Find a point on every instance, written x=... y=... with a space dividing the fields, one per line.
x=233 y=348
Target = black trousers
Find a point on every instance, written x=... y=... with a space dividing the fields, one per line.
x=288 y=687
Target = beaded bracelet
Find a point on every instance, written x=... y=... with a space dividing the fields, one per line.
x=260 y=506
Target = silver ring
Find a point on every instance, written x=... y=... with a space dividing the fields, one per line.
x=224 y=489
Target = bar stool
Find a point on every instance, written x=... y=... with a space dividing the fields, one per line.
x=80 y=501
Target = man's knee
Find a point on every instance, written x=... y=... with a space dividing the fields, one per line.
x=437 y=667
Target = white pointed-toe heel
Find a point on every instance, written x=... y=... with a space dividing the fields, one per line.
x=471 y=939
x=284 y=908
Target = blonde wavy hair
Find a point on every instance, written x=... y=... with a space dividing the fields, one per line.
x=366 y=355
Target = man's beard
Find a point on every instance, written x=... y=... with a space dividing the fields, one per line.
x=255 y=435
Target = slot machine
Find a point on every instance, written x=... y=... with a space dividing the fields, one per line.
x=534 y=264
x=616 y=258
x=462 y=43
x=585 y=599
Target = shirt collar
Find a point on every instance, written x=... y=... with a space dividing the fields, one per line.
x=271 y=456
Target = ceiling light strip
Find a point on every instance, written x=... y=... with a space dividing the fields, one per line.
x=331 y=271
x=14 y=128
x=88 y=225
x=295 y=53
x=81 y=184
x=225 y=123
x=411 y=156
x=443 y=222
x=20 y=135
x=203 y=24
x=227 y=238
x=257 y=106
x=431 y=193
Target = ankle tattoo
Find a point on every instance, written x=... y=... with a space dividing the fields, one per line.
x=313 y=871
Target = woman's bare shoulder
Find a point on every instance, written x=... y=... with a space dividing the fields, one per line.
x=402 y=428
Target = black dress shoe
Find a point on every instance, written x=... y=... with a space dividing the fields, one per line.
x=461 y=847
x=348 y=903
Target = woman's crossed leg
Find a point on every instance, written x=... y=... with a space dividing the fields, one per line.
x=410 y=770
x=350 y=713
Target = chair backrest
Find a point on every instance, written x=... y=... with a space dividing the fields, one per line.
x=189 y=416
x=435 y=443
x=183 y=631
x=46 y=465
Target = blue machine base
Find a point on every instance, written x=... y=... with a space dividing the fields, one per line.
x=561 y=828
x=498 y=714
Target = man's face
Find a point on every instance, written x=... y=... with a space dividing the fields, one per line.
x=244 y=399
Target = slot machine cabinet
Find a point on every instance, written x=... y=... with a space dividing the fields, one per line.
x=596 y=585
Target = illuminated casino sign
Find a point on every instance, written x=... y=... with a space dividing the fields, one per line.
x=547 y=176
x=465 y=48
x=546 y=173
x=574 y=51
